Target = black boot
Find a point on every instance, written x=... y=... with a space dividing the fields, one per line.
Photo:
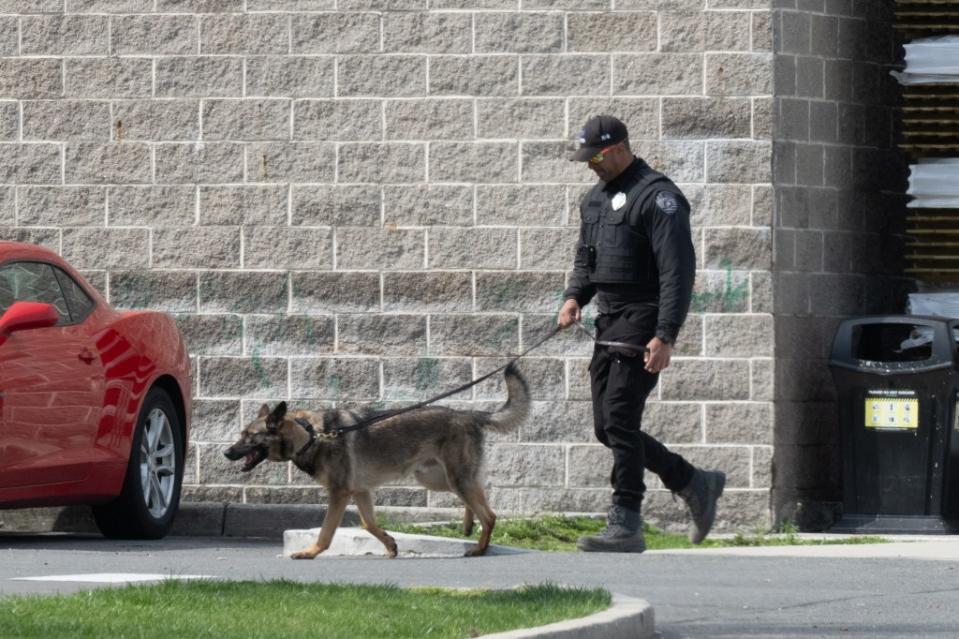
x=701 y=495
x=623 y=533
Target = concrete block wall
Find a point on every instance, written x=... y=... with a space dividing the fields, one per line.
x=838 y=182
x=353 y=202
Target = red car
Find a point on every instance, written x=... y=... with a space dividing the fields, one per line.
x=94 y=402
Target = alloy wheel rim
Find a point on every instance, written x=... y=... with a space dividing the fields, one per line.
x=157 y=463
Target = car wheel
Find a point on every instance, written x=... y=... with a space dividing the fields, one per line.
x=151 y=488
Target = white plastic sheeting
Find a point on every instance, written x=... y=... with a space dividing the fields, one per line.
x=931 y=61
x=934 y=184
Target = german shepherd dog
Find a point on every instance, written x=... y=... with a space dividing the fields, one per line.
x=442 y=448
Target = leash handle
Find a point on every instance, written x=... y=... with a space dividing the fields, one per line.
x=635 y=348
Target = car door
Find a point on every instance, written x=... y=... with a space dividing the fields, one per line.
x=51 y=382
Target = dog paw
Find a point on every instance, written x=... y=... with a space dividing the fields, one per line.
x=475 y=552
x=304 y=554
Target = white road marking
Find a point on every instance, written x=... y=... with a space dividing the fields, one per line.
x=111 y=577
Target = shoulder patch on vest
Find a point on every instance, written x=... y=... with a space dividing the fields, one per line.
x=666 y=202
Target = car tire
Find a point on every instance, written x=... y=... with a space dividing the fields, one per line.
x=151 y=487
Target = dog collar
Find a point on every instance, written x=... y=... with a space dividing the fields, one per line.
x=308 y=427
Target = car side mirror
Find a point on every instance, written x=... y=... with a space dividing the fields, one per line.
x=22 y=316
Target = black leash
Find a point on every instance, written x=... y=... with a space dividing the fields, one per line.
x=336 y=432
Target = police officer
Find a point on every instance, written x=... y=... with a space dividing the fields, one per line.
x=635 y=256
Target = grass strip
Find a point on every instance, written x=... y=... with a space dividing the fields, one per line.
x=559 y=533
x=287 y=609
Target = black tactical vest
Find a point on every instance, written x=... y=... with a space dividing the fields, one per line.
x=621 y=252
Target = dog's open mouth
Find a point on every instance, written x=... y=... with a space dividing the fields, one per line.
x=253 y=459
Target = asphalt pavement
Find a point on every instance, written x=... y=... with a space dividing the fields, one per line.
x=908 y=589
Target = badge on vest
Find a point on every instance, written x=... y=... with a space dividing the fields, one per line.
x=619 y=200
x=666 y=202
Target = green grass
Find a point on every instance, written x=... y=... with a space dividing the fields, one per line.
x=558 y=533
x=285 y=609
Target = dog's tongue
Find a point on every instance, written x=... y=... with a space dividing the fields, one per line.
x=250 y=462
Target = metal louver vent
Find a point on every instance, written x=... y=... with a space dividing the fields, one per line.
x=926 y=18
x=929 y=130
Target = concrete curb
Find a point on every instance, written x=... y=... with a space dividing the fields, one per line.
x=352 y=542
x=627 y=617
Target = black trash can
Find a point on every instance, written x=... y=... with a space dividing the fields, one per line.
x=897 y=379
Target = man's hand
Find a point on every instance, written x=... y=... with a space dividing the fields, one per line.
x=657 y=357
x=570 y=313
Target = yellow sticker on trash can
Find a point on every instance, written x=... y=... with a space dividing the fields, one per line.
x=892 y=412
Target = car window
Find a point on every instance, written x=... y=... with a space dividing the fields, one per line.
x=78 y=301
x=32 y=282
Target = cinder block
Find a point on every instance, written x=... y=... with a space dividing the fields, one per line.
x=739 y=335
x=167 y=291
x=547 y=248
x=428 y=292
x=641 y=115
x=527 y=465
x=289 y=335
x=9 y=120
x=452 y=247
x=152 y=205
x=713 y=379
x=243 y=292
x=478 y=75
x=222 y=377
x=196 y=247
x=473 y=335
x=563 y=75
x=199 y=162
x=658 y=73
x=248 y=119
x=243 y=205
x=386 y=335
x=287 y=247
x=472 y=162
x=421 y=32
x=97 y=248
x=199 y=77
x=338 y=120
x=31 y=78
x=289 y=76
x=335 y=33
x=319 y=292
x=707 y=118
x=739 y=248
x=520 y=118
x=387 y=162
x=64 y=35
x=739 y=162
x=290 y=162
x=90 y=163
x=515 y=205
x=518 y=292
x=152 y=120
x=409 y=379
x=335 y=378
x=428 y=204
x=108 y=78
x=607 y=31
x=61 y=206
x=513 y=32
x=739 y=423
x=154 y=35
x=330 y=205
x=211 y=334
x=739 y=73
x=381 y=76
x=380 y=249
x=429 y=119
x=244 y=34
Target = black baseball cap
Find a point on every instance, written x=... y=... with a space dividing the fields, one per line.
x=599 y=132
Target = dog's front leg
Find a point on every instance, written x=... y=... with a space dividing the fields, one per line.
x=334 y=515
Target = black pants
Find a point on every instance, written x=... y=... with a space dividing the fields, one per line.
x=620 y=385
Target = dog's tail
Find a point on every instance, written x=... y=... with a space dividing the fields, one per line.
x=514 y=411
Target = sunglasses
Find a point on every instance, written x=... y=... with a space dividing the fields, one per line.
x=601 y=154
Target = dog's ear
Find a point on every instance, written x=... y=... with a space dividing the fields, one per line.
x=264 y=411
x=279 y=412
